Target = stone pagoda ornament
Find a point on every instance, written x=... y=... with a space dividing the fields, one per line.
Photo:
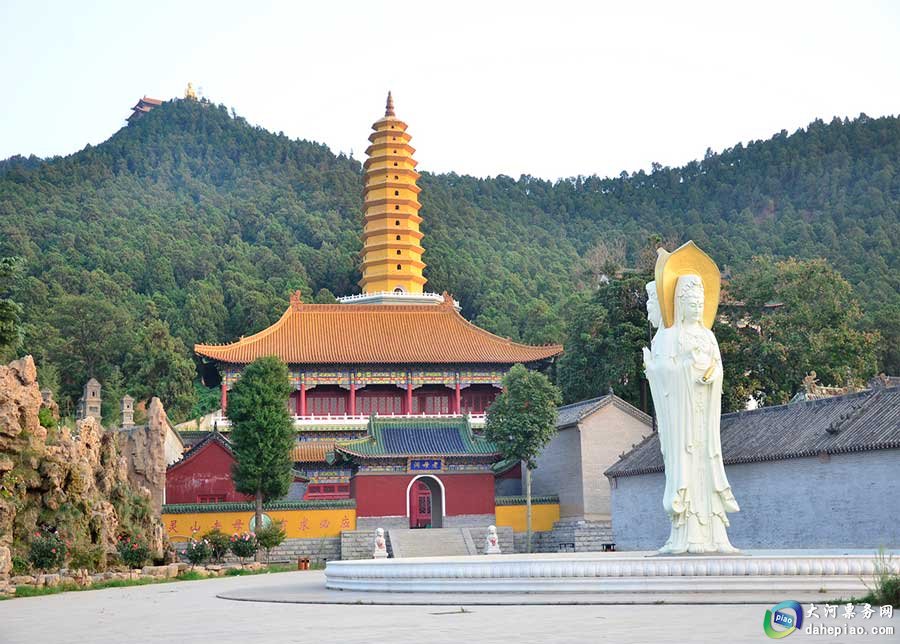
x=684 y=369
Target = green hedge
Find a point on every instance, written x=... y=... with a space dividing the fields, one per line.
x=190 y=508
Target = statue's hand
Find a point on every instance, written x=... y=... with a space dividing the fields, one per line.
x=648 y=357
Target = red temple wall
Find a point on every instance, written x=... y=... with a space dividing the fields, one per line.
x=384 y=495
x=512 y=473
x=206 y=474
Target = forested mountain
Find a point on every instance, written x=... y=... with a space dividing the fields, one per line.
x=190 y=225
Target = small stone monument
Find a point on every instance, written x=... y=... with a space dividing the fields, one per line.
x=492 y=542
x=127 y=411
x=90 y=402
x=380 y=545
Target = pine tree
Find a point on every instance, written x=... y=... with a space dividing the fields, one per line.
x=262 y=433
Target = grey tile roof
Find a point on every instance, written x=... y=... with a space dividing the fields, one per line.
x=866 y=420
x=572 y=414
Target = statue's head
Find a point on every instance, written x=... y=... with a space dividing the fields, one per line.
x=654 y=315
x=379 y=532
x=689 y=300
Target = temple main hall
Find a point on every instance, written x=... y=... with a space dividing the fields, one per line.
x=390 y=386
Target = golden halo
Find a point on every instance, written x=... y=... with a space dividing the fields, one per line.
x=687 y=260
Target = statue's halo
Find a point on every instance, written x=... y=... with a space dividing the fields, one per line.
x=687 y=260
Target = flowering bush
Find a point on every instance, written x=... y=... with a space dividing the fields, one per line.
x=244 y=545
x=219 y=543
x=197 y=551
x=47 y=550
x=133 y=552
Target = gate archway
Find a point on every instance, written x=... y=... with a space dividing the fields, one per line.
x=426 y=503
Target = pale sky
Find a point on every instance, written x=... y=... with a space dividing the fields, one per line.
x=551 y=89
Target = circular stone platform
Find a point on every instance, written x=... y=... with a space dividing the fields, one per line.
x=764 y=577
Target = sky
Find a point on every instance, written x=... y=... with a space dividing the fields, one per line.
x=549 y=89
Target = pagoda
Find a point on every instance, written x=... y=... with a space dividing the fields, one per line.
x=392 y=249
x=391 y=386
x=144 y=105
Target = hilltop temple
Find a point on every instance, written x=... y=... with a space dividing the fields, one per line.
x=390 y=386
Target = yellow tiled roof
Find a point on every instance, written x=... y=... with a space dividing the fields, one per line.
x=376 y=334
x=311 y=451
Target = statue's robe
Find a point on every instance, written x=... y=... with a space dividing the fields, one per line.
x=697 y=494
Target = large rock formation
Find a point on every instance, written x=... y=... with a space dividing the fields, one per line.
x=90 y=484
x=145 y=448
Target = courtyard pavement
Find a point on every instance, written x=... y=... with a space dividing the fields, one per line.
x=192 y=612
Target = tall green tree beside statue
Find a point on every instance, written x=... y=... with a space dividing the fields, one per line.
x=262 y=433
x=522 y=420
x=606 y=330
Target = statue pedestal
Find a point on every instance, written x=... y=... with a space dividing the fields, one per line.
x=767 y=576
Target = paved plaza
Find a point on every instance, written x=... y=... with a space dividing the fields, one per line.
x=192 y=612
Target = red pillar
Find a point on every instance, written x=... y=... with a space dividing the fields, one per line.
x=409 y=408
x=457 y=401
x=352 y=395
x=224 y=399
x=303 y=399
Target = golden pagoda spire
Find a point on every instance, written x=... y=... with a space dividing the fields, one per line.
x=392 y=252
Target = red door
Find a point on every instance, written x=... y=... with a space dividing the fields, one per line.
x=420 y=506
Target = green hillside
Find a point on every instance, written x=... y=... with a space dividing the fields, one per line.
x=193 y=226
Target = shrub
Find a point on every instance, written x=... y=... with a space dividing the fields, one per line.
x=219 y=544
x=244 y=545
x=885 y=589
x=133 y=552
x=89 y=557
x=890 y=592
x=197 y=551
x=270 y=536
x=20 y=565
x=45 y=418
x=47 y=550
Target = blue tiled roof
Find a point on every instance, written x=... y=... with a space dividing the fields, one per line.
x=417 y=437
x=426 y=440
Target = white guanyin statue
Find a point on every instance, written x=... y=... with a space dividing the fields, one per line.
x=684 y=369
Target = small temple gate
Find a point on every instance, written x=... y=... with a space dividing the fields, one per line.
x=390 y=387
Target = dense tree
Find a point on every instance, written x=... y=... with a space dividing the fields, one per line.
x=793 y=317
x=215 y=222
x=522 y=420
x=9 y=310
x=90 y=336
x=158 y=366
x=262 y=433
x=606 y=330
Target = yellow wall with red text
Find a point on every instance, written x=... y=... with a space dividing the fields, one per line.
x=298 y=524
